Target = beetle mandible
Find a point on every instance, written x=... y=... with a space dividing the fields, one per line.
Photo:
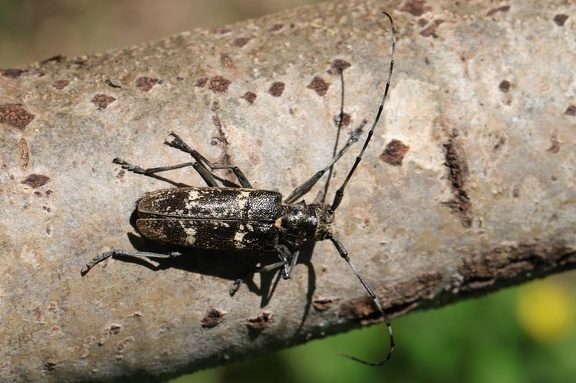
x=244 y=218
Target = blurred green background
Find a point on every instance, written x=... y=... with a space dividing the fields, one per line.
x=519 y=335
x=523 y=335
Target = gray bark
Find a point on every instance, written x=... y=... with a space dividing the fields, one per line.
x=481 y=195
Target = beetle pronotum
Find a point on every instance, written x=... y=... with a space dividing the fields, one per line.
x=244 y=218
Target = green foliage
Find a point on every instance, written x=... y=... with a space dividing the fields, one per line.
x=479 y=340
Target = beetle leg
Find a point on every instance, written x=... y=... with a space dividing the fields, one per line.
x=287 y=260
x=178 y=143
x=307 y=185
x=204 y=173
x=128 y=254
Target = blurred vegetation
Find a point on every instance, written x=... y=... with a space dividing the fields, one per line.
x=33 y=30
x=523 y=335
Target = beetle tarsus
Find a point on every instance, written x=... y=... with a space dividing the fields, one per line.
x=128 y=254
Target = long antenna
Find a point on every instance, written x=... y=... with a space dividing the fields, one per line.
x=338 y=198
x=340 y=192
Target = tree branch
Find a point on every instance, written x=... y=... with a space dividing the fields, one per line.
x=467 y=187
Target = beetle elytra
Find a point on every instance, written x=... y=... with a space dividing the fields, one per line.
x=244 y=218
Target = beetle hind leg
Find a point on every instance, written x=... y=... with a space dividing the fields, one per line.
x=128 y=254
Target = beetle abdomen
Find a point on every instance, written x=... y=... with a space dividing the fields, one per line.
x=211 y=218
x=210 y=234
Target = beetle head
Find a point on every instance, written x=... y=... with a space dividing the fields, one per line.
x=325 y=216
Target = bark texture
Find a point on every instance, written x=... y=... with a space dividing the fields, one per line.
x=468 y=185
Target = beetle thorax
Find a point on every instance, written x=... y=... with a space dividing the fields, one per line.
x=301 y=223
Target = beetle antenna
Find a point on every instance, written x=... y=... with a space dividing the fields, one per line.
x=344 y=254
x=340 y=123
x=340 y=192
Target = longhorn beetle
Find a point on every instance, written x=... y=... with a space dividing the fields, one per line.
x=244 y=218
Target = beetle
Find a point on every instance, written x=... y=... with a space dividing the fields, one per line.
x=244 y=218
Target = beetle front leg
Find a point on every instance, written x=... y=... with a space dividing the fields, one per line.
x=129 y=254
x=310 y=182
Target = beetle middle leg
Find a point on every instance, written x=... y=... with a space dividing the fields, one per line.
x=179 y=143
x=201 y=165
x=288 y=261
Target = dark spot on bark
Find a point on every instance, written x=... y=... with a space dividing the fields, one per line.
x=212 y=318
x=458 y=176
x=227 y=61
x=359 y=309
x=113 y=84
x=146 y=83
x=15 y=115
x=102 y=100
x=431 y=29
x=37 y=313
x=262 y=321
x=215 y=106
x=415 y=7
x=277 y=89
x=571 y=110
x=56 y=58
x=38 y=194
x=504 y=8
x=12 y=73
x=413 y=292
x=338 y=66
x=201 y=82
x=500 y=144
x=346 y=119
x=123 y=344
x=394 y=152
x=49 y=193
x=219 y=84
x=422 y=22
x=560 y=19
x=509 y=264
x=319 y=85
x=49 y=366
x=250 y=97
x=60 y=84
x=323 y=304
x=555 y=146
x=241 y=41
x=36 y=180
x=276 y=27
x=504 y=86
x=23 y=154
x=114 y=329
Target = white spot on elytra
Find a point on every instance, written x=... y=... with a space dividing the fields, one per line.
x=192 y=201
x=190 y=234
x=243 y=199
x=238 y=238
